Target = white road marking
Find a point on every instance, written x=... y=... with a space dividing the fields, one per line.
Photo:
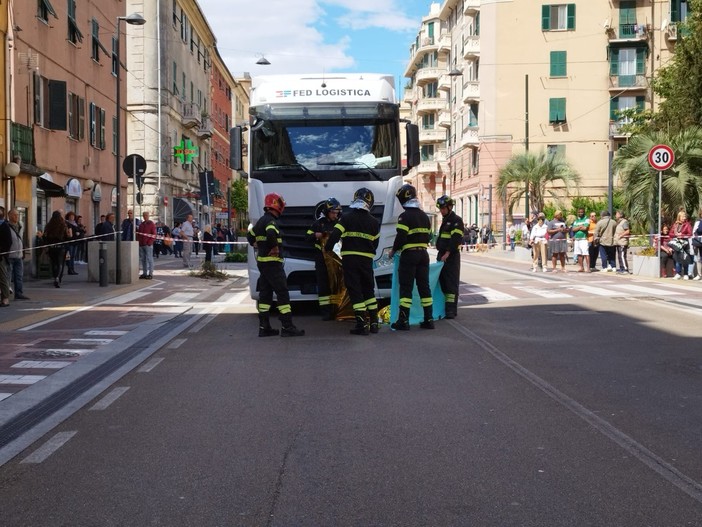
x=177 y=343
x=42 y=364
x=4 y=396
x=146 y=368
x=491 y=295
x=128 y=298
x=97 y=342
x=48 y=448
x=21 y=379
x=590 y=290
x=176 y=299
x=543 y=292
x=79 y=351
x=110 y=398
x=106 y=333
x=647 y=290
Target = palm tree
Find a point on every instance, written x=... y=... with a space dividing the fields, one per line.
x=536 y=174
x=682 y=183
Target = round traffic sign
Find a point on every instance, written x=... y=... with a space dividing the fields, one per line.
x=661 y=157
x=134 y=165
x=139 y=198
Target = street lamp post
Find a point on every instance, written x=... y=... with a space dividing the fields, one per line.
x=138 y=20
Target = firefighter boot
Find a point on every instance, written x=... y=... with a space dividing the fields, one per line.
x=361 y=327
x=289 y=329
x=402 y=323
x=449 y=310
x=373 y=320
x=264 y=326
x=428 y=323
x=326 y=312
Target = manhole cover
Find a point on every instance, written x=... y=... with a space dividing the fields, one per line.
x=45 y=354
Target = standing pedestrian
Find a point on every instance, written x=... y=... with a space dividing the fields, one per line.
x=107 y=228
x=448 y=247
x=72 y=246
x=268 y=241
x=696 y=242
x=5 y=247
x=621 y=241
x=79 y=234
x=146 y=236
x=186 y=233
x=604 y=237
x=16 y=256
x=128 y=227
x=557 y=241
x=593 y=248
x=207 y=238
x=412 y=240
x=326 y=216
x=581 y=248
x=56 y=233
x=359 y=233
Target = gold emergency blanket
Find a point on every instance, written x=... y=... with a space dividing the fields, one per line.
x=340 y=301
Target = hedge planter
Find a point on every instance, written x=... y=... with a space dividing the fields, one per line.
x=649 y=266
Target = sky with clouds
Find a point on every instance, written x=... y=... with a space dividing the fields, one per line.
x=305 y=36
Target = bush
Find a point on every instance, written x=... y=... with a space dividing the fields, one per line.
x=236 y=257
x=209 y=270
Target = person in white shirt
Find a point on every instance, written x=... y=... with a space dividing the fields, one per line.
x=539 y=243
x=186 y=233
x=696 y=245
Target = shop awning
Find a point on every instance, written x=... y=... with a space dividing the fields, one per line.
x=50 y=189
x=181 y=208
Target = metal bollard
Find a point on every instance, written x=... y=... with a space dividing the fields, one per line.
x=102 y=258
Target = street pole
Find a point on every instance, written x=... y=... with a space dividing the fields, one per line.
x=134 y=19
x=660 y=197
x=526 y=141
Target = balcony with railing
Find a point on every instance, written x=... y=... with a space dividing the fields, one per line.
x=628 y=82
x=444 y=120
x=470 y=135
x=616 y=129
x=471 y=46
x=205 y=129
x=628 y=32
x=431 y=104
x=425 y=75
x=432 y=135
x=191 y=115
x=471 y=91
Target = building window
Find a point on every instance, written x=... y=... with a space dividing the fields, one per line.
x=76 y=117
x=620 y=104
x=44 y=9
x=115 y=52
x=175 y=78
x=96 y=45
x=101 y=142
x=428 y=121
x=74 y=34
x=556 y=151
x=626 y=64
x=183 y=26
x=183 y=85
x=427 y=152
x=92 y=111
x=50 y=103
x=558 y=64
x=679 y=10
x=97 y=126
x=557 y=110
x=114 y=135
x=558 y=17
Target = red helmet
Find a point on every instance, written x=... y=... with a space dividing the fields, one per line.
x=274 y=202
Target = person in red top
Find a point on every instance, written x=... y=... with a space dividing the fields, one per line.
x=680 y=234
x=146 y=235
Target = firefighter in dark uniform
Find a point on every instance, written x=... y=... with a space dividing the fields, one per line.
x=448 y=246
x=359 y=233
x=412 y=239
x=267 y=239
x=326 y=214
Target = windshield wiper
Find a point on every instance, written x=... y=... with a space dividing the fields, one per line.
x=291 y=165
x=354 y=163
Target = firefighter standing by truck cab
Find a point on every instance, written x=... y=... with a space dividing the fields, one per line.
x=412 y=239
x=326 y=215
x=359 y=233
x=448 y=246
x=266 y=238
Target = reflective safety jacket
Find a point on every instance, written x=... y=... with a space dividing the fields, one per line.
x=359 y=233
x=265 y=236
x=450 y=234
x=413 y=230
x=322 y=225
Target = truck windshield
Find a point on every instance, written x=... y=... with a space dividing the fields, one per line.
x=328 y=148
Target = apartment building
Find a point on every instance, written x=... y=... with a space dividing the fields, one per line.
x=489 y=79
x=62 y=106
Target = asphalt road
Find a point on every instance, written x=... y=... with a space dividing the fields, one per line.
x=538 y=412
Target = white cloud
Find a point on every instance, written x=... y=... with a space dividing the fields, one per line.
x=290 y=33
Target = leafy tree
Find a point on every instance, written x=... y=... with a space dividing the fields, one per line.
x=240 y=201
x=682 y=183
x=539 y=174
x=680 y=82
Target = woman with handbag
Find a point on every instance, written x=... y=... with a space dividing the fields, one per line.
x=56 y=233
x=696 y=241
x=680 y=234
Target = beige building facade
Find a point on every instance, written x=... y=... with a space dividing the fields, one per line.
x=498 y=77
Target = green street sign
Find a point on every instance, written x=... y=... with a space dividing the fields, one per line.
x=185 y=151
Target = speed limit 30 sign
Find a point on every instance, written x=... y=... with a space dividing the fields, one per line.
x=661 y=157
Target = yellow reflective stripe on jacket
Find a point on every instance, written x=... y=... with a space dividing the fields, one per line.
x=269 y=259
x=357 y=253
x=272 y=227
x=457 y=231
x=418 y=230
x=362 y=235
x=413 y=245
x=402 y=227
x=340 y=227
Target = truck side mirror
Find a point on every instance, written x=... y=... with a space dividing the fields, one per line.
x=413 y=157
x=235 y=151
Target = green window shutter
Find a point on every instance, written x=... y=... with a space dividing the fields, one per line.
x=614 y=62
x=552 y=110
x=545 y=17
x=571 y=17
x=675 y=10
x=613 y=108
x=558 y=64
x=640 y=61
x=430 y=28
x=640 y=102
x=627 y=12
x=562 y=110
